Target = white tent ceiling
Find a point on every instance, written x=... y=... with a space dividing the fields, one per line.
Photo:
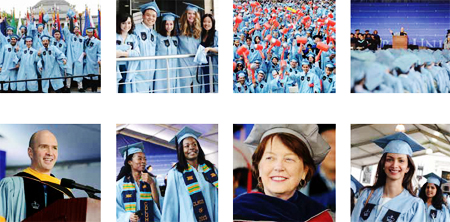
x=364 y=152
x=161 y=134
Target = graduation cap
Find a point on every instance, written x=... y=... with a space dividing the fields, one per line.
x=151 y=5
x=40 y=25
x=23 y=27
x=305 y=62
x=169 y=16
x=260 y=71
x=294 y=60
x=308 y=133
x=405 y=62
x=241 y=74
x=310 y=55
x=46 y=18
x=70 y=13
x=185 y=133
x=355 y=185
x=9 y=28
x=90 y=29
x=14 y=36
x=45 y=37
x=257 y=61
x=192 y=7
x=433 y=178
x=28 y=38
x=399 y=143
x=131 y=149
x=329 y=65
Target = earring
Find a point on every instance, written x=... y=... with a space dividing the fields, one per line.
x=302 y=183
x=260 y=185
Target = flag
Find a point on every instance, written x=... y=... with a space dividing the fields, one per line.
x=19 y=25
x=92 y=24
x=13 y=21
x=87 y=21
x=99 y=24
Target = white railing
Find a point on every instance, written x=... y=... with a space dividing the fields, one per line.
x=168 y=68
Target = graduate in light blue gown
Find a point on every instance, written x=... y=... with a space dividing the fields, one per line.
x=127 y=45
x=28 y=58
x=74 y=52
x=147 y=37
x=391 y=198
x=242 y=85
x=210 y=40
x=50 y=64
x=307 y=81
x=431 y=194
x=189 y=36
x=192 y=184
x=59 y=43
x=136 y=189
x=5 y=40
x=93 y=59
x=329 y=79
x=8 y=63
x=22 y=35
x=260 y=86
x=167 y=44
x=37 y=31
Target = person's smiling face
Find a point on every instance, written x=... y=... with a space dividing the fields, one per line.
x=280 y=169
x=430 y=190
x=396 y=166
x=190 y=148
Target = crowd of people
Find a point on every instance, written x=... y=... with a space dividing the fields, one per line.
x=193 y=34
x=284 y=47
x=366 y=40
x=393 y=195
x=400 y=71
x=37 y=54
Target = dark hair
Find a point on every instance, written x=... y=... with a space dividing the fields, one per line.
x=126 y=169
x=381 y=175
x=182 y=163
x=162 y=29
x=294 y=144
x=437 y=200
x=121 y=18
x=254 y=39
x=210 y=34
x=352 y=201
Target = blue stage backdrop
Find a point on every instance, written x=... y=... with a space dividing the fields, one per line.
x=425 y=23
x=2 y=164
x=161 y=158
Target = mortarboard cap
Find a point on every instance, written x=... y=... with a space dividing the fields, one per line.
x=90 y=29
x=14 y=36
x=329 y=65
x=39 y=25
x=185 y=133
x=9 y=28
x=399 y=143
x=151 y=5
x=433 y=178
x=308 y=133
x=45 y=37
x=305 y=62
x=131 y=149
x=192 y=7
x=355 y=185
x=169 y=16
x=28 y=38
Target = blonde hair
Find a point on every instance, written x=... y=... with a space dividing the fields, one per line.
x=189 y=31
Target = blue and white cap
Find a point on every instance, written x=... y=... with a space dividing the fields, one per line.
x=192 y=7
x=169 y=16
x=241 y=74
x=28 y=38
x=185 y=133
x=151 y=5
x=399 y=143
x=355 y=185
x=433 y=178
x=14 y=36
x=131 y=149
x=45 y=37
x=9 y=28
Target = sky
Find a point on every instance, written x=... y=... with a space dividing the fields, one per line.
x=22 y=5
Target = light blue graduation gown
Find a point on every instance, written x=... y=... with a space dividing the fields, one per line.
x=304 y=81
x=93 y=52
x=28 y=59
x=12 y=199
x=124 y=216
x=8 y=61
x=275 y=86
x=131 y=44
x=328 y=82
x=33 y=32
x=177 y=202
x=261 y=87
x=61 y=45
x=411 y=208
x=188 y=45
x=215 y=62
x=147 y=38
x=74 y=51
x=239 y=88
x=442 y=215
x=167 y=45
x=51 y=64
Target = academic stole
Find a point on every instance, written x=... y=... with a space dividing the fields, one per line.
x=198 y=201
x=129 y=198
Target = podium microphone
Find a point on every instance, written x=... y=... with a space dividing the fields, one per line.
x=73 y=185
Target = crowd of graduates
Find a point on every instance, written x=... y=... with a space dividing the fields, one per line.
x=400 y=71
x=284 y=47
x=33 y=53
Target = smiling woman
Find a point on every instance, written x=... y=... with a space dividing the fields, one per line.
x=284 y=161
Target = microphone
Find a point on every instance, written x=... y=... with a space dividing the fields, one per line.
x=73 y=185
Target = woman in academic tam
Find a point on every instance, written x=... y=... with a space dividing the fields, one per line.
x=192 y=184
x=167 y=44
x=190 y=31
x=392 y=198
x=431 y=194
x=136 y=189
x=284 y=161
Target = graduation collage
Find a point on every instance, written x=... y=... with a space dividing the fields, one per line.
x=114 y=150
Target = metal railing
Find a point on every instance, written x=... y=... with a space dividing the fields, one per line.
x=168 y=68
x=41 y=79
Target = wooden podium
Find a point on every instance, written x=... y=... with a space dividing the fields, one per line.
x=400 y=42
x=75 y=209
